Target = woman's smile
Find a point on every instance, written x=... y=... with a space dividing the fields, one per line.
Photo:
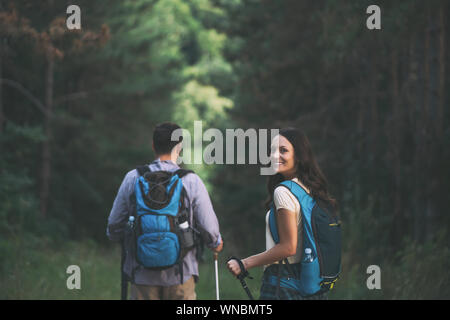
x=283 y=156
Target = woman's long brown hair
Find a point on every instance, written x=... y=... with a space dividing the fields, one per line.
x=308 y=170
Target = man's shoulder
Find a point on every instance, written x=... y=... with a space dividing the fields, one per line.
x=194 y=185
x=191 y=178
x=132 y=173
x=130 y=177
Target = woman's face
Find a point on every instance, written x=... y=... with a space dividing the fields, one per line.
x=284 y=157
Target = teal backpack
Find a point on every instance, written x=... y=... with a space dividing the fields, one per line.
x=162 y=232
x=320 y=231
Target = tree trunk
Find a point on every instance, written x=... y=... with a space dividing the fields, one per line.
x=440 y=113
x=373 y=111
x=2 y=118
x=46 y=147
x=394 y=137
x=416 y=102
x=426 y=124
x=360 y=121
x=433 y=140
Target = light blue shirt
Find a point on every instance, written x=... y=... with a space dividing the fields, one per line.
x=202 y=217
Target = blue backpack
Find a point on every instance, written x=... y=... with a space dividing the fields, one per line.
x=320 y=231
x=162 y=232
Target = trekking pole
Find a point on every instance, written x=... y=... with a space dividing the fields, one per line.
x=244 y=273
x=244 y=285
x=129 y=231
x=216 y=256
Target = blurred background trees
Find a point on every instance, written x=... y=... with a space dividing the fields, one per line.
x=77 y=109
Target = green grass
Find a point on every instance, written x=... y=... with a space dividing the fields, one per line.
x=35 y=268
x=38 y=271
x=229 y=287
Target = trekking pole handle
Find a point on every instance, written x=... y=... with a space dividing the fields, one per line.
x=244 y=273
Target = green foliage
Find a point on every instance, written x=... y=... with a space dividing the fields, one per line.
x=34 y=270
x=416 y=272
x=159 y=65
x=229 y=64
x=420 y=271
x=18 y=203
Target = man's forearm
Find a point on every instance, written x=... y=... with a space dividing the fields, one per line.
x=120 y=211
x=115 y=231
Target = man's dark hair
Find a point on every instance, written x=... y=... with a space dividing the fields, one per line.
x=162 y=135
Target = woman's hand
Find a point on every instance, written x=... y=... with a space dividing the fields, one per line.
x=287 y=227
x=233 y=267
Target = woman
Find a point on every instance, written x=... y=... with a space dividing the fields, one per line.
x=296 y=162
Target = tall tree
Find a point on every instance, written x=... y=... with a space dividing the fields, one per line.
x=51 y=43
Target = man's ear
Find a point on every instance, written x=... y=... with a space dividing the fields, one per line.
x=178 y=147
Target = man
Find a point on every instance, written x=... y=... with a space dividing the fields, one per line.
x=166 y=284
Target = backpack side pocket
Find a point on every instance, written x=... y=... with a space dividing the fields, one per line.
x=327 y=234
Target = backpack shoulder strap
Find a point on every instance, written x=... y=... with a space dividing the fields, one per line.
x=273 y=227
x=286 y=184
x=142 y=170
x=182 y=172
x=296 y=190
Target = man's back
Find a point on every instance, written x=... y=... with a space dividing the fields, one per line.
x=202 y=218
x=176 y=282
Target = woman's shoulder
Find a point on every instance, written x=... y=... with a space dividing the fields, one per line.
x=283 y=188
x=297 y=181
x=284 y=197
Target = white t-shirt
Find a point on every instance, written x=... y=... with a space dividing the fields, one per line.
x=283 y=198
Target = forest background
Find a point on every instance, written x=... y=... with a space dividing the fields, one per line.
x=77 y=110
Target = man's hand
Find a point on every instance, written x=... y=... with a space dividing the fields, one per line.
x=219 y=247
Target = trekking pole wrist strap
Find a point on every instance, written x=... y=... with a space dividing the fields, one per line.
x=244 y=273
